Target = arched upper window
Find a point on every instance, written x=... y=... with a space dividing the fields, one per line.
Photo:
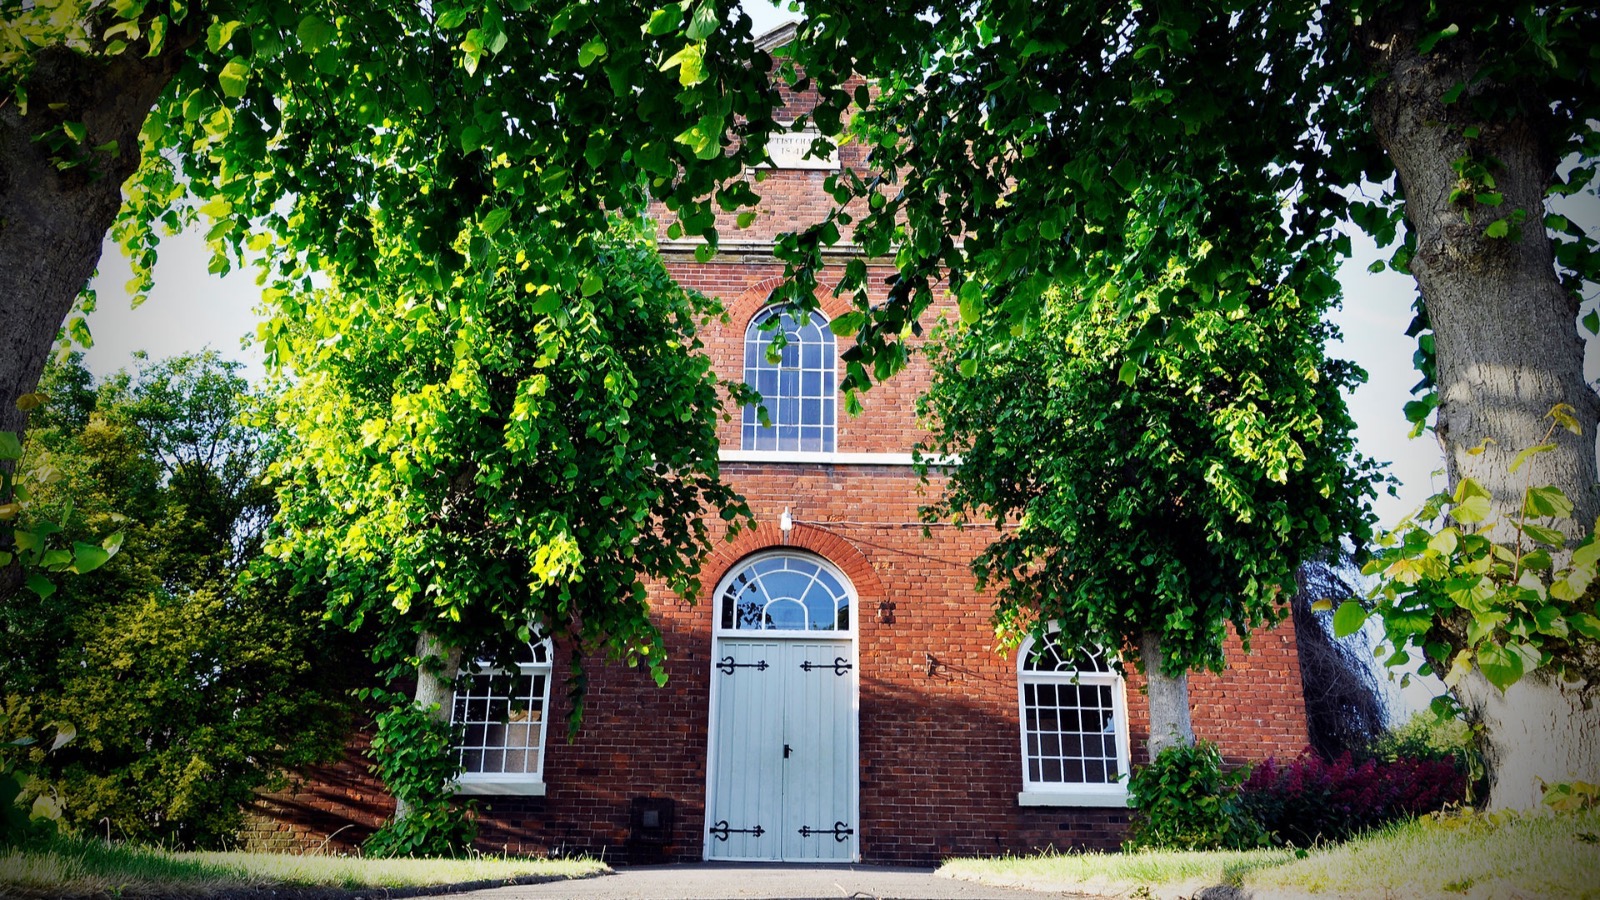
x=502 y=715
x=784 y=592
x=797 y=390
x=1074 y=725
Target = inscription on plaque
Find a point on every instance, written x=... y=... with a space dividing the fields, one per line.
x=788 y=151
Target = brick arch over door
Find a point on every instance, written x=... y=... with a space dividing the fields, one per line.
x=831 y=547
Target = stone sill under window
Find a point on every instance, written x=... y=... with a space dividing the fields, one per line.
x=1114 y=799
x=508 y=788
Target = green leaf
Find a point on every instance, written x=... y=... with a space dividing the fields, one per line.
x=703 y=138
x=1546 y=501
x=546 y=303
x=592 y=49
x=453 y=18
x=703 y=23
x=1128 y=372
x=88 y=557
x=1548 y=620
x=970 y=302
x=1043 y=102
x=75 y=130
x=1527 y=454
x=315 y=32
x=665 y=20
x=10 y=446
x=848 y=324
x=65 y=734
x=495 y=220
x=1501 y=666
x=592 y=284
x=1565 y=416
x=1425 y=46
x=1584 y=624
x=690 y=63
x=1445 y=542
x=1592 y=322
x=1348 y=619
x=234 y=77
x=113 y=543
x=1472 y=509
x=1547 y=536
x=1499 y=228
x=41 y=585
x=1535 y=561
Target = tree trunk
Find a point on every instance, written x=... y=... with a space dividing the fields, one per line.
x=437 y=666
x=1506 y=338
x=1169 y=698
x=1537 y=732
x=52 y=220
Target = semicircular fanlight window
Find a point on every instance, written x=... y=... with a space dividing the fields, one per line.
x=785 y=592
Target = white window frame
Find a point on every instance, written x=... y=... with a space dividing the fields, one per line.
x=1041 y=793
x=829 y=399
x=825 y=566
x=530 y=783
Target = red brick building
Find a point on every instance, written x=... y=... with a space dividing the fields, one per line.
x=836 y=695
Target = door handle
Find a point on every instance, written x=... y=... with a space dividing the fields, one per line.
x=787 y=750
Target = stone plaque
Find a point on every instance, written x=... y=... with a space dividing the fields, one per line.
x=788 y=151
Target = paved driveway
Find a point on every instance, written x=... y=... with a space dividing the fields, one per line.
x=758 y=881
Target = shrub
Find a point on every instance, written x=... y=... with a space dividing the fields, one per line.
x=414 y=758
x=1184 y=800
x=1310 y=799
x=1426 y=736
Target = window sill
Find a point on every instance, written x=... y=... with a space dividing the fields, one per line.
x=487 y=788
x=831 y=457
x=1117 y=799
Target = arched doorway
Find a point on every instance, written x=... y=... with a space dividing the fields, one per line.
x=782 y=758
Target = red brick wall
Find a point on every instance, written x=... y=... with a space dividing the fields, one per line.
x=940 y=767
x=330 y=809
x=939 y=741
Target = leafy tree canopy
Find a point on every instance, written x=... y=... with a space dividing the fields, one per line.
x=476 y=463
x=388 y=151
x=1018 y=148
x=1179 y=501
x=1014 y=145
x=353 y=144
x=189 y=687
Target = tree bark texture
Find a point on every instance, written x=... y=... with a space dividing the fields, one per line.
x=1169 y=698
x=437 y=665
x=53 y=221
x=1506 y=345
x=1543 y=734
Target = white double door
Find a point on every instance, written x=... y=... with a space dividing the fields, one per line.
x=782 y=782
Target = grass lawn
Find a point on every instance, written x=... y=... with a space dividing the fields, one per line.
x=91 y=869
x=1528 y=856
x=1162 y=873
x=1464 y=856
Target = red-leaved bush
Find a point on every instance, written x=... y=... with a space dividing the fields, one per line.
x=1310 y=799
